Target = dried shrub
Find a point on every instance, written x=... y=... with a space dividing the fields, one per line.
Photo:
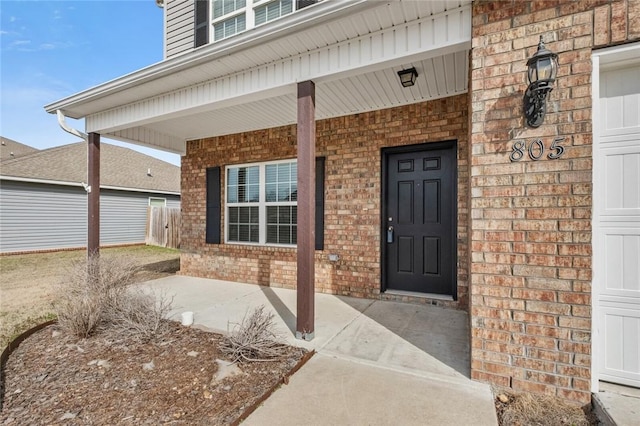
x=80 y=314
x=96 y=296
x=254 y=339
x=140 y=314
x=538 y=410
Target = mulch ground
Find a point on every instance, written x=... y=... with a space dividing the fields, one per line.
x=526 y=409
x=52 y=378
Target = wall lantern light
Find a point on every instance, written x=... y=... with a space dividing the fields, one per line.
x=408 y=77
x=542 y=70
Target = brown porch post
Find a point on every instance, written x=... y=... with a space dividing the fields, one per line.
x=306 y=134
x=93 y=199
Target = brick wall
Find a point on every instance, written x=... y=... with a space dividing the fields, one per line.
x=531 y=220
x=352 y=147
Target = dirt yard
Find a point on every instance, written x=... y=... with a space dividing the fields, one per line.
x=111 y=379
x=183 y=375
x=27 y=281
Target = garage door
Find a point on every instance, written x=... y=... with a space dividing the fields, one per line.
x=617 y=224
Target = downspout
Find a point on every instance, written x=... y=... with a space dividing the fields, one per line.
x=93 y=178
x=63 y=123
x=66 y=128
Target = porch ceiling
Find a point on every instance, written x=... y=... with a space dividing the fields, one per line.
x=438 y=77
x=352 y=50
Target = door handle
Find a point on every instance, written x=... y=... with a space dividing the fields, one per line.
x=390 y=234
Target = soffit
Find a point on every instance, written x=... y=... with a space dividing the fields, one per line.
x=438 y=77
x=442 y=73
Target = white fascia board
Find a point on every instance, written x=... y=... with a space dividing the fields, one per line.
x=44 y=181
x=79 y=184
x=127 y=120
x=312 y=16
x=149 y=191
x=427 y=37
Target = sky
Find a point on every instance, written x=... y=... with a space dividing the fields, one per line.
x=53 y=49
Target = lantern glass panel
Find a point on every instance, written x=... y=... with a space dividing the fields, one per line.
x=532 y=73
x=554 y=67
x=545 y=68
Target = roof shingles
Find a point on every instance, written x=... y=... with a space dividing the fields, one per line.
x=119 y=167
x=10 y=149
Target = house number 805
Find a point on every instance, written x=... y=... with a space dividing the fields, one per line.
x=536 y=149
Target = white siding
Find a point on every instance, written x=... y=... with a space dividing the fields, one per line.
x=37 y=216
x=179 y=27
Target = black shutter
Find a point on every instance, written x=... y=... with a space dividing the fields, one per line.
x=213 y=206
x=202 y=23
x=320 y=203
x=300 y=4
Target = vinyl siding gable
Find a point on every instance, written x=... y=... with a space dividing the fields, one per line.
x=179 y=27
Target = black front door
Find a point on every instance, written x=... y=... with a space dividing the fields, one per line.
x=419 y=219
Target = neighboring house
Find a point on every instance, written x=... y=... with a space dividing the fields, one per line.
x=11 y=149
x=438 y=192
x=43 y=204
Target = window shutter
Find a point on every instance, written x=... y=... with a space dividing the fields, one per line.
x=300 y=4
x=202 y=23
x=213 y=206
x=320 y=203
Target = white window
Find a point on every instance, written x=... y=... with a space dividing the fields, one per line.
x=157 y=202
x=262 y=202
x=230 y=17
x=272 y=10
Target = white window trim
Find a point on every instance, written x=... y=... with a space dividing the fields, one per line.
x=262 y=204
x=158 y=198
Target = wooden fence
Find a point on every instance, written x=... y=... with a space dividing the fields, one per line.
x=163 y=227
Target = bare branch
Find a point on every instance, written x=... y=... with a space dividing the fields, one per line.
x=254 y=339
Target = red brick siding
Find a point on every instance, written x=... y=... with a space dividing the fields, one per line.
x=352 y=147
x=531 y=220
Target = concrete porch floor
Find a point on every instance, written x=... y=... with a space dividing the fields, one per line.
x=377 y=362
x=617 y=405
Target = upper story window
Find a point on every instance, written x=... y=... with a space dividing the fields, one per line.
x=229 y=18
x=220 y=19
x=272 y=10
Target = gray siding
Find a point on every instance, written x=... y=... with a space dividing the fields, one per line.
x=123 y=215
x=36 y=216
x=179 y=27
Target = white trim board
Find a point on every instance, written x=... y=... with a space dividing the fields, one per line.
x=613 y=58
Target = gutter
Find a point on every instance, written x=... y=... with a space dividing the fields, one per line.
x=213 y=51
x=82 y=185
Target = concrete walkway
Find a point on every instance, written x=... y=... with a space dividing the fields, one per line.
x=377 y=362
x=617 y=405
